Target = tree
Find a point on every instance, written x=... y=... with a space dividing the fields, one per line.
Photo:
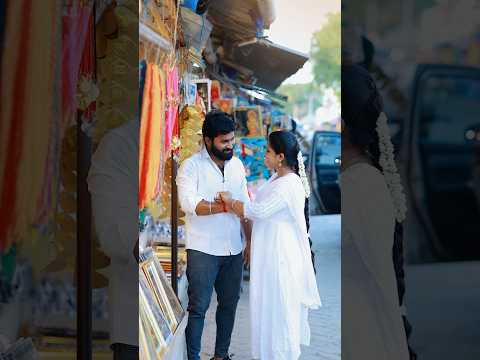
x=325 y=54
x=299 y=97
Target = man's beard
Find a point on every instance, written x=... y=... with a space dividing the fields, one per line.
x=221 y=155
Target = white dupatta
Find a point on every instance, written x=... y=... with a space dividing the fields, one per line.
x=295 y=195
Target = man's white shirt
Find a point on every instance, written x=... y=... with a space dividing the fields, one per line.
x=199 y=178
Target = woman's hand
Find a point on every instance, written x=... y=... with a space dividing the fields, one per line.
x=235 y=207
x=228 y=204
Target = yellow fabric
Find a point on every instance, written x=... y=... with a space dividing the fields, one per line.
x=152 y=132
x=43 y=42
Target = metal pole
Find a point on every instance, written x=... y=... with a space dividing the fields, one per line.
x=84 y=235
x=174 y=225
x=84 y=247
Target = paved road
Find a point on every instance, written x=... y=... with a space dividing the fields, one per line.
x=324 y=322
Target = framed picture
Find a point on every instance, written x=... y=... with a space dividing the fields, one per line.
x=204 y=88
x=216 y=91
x=249 y=122
x=149 y=347
x=156 y=326
x=172 y=298
x=251 y=151
x=159 y=293
x=190 y=93
x=155 y=343
x=225 y=105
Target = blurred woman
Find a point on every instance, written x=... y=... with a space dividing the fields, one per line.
x=373 y=206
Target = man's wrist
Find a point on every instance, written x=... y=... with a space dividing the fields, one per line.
x=217 y=208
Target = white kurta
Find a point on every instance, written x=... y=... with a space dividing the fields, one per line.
x=282 y=279
x=373 y=327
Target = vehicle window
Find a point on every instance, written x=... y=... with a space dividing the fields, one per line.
x=328 y=148
x=449 y=107
x=449 y=124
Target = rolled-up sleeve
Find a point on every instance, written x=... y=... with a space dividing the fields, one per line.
x=187 y=180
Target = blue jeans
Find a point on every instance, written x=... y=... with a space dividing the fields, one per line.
x=203 y=273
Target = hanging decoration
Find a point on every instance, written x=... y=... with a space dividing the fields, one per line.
x=87 y=89
x=172 y=106
x=117 y=69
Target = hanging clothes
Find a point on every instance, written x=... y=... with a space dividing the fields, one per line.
x=29 y=114
x=172 y=106
x=152 y=129
x=75 y=19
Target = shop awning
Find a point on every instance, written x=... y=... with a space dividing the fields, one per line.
x=235 y=20
x=270 y=63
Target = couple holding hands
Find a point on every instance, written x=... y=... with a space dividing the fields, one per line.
x=271 y=232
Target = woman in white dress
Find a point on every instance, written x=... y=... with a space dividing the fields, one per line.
x=282 y=280
x=372 y=204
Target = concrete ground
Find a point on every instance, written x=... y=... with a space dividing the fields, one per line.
x=324 y=322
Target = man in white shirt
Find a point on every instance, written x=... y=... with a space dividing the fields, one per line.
x=113 y=184
x=213 y=236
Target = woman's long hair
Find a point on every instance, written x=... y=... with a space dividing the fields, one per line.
x=361 y=107
x=285 y=142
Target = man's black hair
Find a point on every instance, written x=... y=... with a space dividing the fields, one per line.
x=217 y=123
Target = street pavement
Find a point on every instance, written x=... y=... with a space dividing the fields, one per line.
x=324 y=322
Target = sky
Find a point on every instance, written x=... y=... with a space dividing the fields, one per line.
x=295 y=23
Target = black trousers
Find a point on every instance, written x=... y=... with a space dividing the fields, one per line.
x=124 y=352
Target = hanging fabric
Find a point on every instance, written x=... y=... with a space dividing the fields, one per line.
x=87 y=90
x=29 y=114
x=172 y=106
x=76 y=16
x=151 y=135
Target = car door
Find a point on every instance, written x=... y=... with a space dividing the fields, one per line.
x=324 y=168
x=443 y=159
x=441 y=148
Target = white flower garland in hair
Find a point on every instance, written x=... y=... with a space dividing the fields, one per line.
x=303 y=175
x=389 y=168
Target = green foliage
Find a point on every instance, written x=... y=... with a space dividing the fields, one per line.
x=299 y=97
x=325 y=54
